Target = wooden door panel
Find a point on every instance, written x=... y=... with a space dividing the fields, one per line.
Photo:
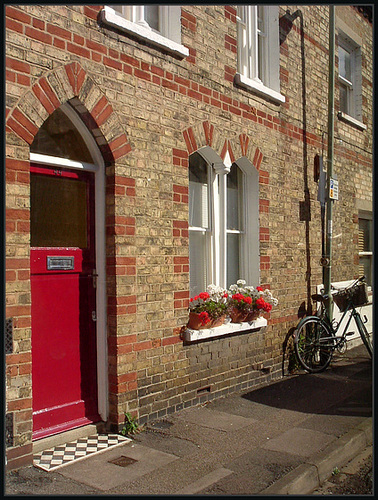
x=64 y=360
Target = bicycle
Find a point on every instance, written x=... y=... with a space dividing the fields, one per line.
x=316 y=337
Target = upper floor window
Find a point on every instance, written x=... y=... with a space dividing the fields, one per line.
x=223 y=221
x=258 y=50
x=350 y=80
x=159 y=25
x=365 y=246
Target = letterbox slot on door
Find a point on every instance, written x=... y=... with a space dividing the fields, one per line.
x=60 y=263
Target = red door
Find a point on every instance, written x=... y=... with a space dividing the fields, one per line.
x=64 y=362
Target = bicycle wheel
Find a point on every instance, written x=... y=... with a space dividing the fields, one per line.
x=314 y=345
x=367 y=338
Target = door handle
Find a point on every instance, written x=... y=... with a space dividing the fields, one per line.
x=94 y=316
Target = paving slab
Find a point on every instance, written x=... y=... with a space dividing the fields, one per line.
x=215 y=419
x=99 y=471
x=302 y=442
x=174 y=445
x=336 y=425
x=205 y=481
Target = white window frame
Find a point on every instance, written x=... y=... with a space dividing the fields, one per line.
x=217 y=246
x=353 y=115
x=132 y=22
x=247 y=75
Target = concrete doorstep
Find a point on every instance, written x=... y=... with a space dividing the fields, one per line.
x=308 y=476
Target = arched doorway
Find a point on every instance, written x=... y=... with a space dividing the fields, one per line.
x=67 y=276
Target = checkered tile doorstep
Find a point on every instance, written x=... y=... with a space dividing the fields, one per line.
x=81 y=448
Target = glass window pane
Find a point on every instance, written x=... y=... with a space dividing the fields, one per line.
x=59 y=137
x=58 y=212
x=151 y=15
x=260 y=19
x=234 y=198
x=198 y=192
x=233 y=258
x=197 y=262
x=343 y=98
x=117 y=8
x=345 y=64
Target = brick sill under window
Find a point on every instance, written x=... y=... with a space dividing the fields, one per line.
x=352 y=121
x=220 y=331
x=109 y=17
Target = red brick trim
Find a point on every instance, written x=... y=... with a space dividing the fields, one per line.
x=188 y=21
x=181 y=299
x=244 y=141
x=180 y=194
x=76 y=76
x=230 y=13
x=209 y=131
x=257 y=159
x=190 y=140
x=50 y=98
x=180 y=228
x=181 y=265
x=180 y=158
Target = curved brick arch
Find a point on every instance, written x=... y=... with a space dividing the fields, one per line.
x=204 y=134
x=70 y=83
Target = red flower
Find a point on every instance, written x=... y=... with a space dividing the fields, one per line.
x=260 y=303
x=267 y=307
x=259 y=289
x=204 y=317
x=204 y=295
x=247 y=300
x=238 y=296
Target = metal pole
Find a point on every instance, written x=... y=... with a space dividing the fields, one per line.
x=331 y=113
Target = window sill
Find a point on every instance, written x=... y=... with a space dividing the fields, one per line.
x=258 y=88
x=208 y=333
x=352 y=121
x=109 y=17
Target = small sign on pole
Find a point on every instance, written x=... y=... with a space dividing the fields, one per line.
x=334 y=189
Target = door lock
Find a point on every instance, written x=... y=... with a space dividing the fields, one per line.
x=94 y=316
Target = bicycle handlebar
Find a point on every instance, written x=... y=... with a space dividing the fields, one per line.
x=358 y=280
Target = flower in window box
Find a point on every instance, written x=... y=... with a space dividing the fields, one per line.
x=208 y=309
x=248 y=303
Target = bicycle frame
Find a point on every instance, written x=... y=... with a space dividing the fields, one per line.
x=318 y=336
x=339 y=338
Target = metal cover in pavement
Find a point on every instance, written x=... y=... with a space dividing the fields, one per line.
x=122 y=461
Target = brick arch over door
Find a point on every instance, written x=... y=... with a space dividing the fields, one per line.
x=70 y=83
x=205 y=134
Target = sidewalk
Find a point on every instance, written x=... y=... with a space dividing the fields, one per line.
x=285 y=438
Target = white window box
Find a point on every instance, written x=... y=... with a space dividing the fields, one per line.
x=112 y=18
x=227 y=328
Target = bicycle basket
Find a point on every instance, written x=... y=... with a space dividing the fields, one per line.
x=358 y=293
